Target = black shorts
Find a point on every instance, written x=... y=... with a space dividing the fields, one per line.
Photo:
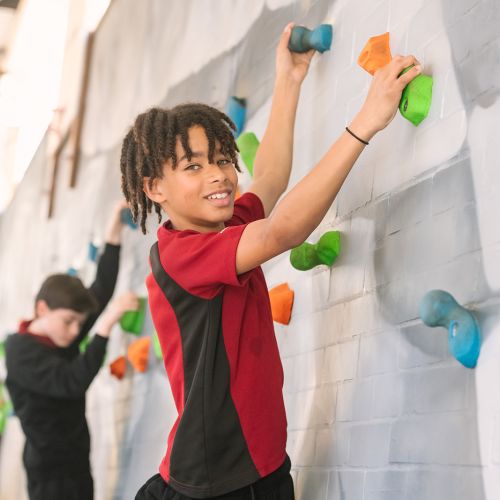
x=276 y=486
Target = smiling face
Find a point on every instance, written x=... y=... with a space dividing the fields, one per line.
x=62 y=326
x=196 y=194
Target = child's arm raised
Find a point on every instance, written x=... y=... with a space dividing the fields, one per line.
x=273 y=160
x=303 y=208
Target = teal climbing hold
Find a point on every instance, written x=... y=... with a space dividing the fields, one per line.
x=127 y=218
x=236 y=109
x=439 y=308
x=72 y=272
x=325 y=251
x=303 y=39
x=133 y=321
x=248 y=144
x=92 y=252
x=416 y=98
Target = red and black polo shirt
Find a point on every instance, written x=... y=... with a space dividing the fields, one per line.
x=221 y=356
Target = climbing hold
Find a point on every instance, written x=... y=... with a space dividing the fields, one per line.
x=138 y=353
x=281 y=298
x=248 y=144
x=157 y=346
x=126 y=218
x=6 y=409
x=2 y=350
x=238 y=193
x=72 y=272
x=439 y=308
x=236 y=109
x=416 y=98
x=132 y=321
x=83 y=344
x=325 y=251
x=376 y=53
x=118 y=367
x=93 y=250
x=303 y=39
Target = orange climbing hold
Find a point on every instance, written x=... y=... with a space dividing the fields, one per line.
x=281 y=297
x=138 y=354
x=376 y=53
x=118 y=367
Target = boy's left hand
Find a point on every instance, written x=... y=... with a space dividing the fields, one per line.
x=291 y=65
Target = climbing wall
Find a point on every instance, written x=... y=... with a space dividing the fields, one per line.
x=378 y=408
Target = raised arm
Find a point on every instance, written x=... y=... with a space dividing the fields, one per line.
x=303 y=208
x=103 y=286
x=273 y=160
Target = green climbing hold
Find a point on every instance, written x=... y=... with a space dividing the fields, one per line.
x=248 y=145
x=325 y=251
x=2 y=350
x=133 y=321
x=416 y=98
x=157 y=346
x=84 y=344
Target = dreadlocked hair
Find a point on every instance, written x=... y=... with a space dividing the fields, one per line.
x=151 y=142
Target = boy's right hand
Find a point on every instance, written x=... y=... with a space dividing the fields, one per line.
x=383 y=98
x=127 y=301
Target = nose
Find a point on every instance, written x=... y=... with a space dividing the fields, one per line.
x=216 y=173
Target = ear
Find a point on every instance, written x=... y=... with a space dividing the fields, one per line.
x=154 y=189
x=41 y=308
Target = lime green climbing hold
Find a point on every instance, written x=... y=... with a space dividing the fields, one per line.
x=416 y=98
x=325 y=251
x=2 y=350
x=84 y=344
x=5 y=409
x=248 y=145
x=157 y=346
x=133 y=321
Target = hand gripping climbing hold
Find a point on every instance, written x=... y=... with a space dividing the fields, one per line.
x=303 y=39
x=281 y=298
x=416 y=98
x=118 y=367
x=237 y=111
x=439 y=308
x=133 y=321
x=126 y=218
x=248 y=144
x=325 y=251
x=376 y=53
x=138 y=354
x=417 y=95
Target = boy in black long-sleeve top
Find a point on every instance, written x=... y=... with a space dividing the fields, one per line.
x=47 y=377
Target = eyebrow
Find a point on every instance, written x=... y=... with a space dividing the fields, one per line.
x=197 y=154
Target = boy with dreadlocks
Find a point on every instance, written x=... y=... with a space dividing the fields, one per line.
x=208 y=295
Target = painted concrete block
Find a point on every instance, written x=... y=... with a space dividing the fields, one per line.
x=346 y=484
x=370 y=445
x=341 y=362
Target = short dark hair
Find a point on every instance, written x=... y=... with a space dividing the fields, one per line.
x=61 y=291
x=151 y=142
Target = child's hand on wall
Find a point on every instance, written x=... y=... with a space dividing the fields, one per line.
x=125 y=302
x=115 y=226
x=291 y=65
x=383 y=97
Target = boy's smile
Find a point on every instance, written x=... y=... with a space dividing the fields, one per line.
x=197 y=194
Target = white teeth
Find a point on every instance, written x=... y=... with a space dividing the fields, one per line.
x=218 y=196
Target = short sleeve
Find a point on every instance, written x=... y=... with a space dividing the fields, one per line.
x=247 y=208
x=202 y=263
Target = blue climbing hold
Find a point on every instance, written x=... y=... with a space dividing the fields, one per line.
x=303 y=39
x=439 y=308
x=93 y=250
x=72 y=271
x=236 y=109
x=126 y=218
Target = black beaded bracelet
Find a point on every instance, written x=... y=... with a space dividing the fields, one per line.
x=356 y=137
